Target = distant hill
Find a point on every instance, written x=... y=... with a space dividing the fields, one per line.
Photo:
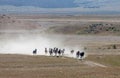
x=97 y=28
x=11 y=23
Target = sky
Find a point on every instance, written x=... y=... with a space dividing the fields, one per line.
x=60 y=6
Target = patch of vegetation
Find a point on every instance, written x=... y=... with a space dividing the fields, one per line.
x=88 y=28
x=114 y=47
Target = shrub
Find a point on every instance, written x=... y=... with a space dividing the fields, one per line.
x=114 y=47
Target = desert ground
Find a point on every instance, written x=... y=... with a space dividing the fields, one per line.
x=98 y=36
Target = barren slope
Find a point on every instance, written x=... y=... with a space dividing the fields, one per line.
x=8 y=22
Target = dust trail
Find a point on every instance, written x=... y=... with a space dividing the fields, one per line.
x=93 y=64
x=26 y=43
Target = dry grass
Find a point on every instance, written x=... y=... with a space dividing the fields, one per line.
x=22 y=66
x=109 y=60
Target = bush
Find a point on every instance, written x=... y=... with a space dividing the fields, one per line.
x=114 y=47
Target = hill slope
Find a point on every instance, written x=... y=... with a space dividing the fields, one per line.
x=11 y=23
x=101 y=28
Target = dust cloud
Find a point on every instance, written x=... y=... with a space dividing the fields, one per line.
x=26 y=43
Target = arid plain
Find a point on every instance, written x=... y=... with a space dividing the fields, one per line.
x=98 y=36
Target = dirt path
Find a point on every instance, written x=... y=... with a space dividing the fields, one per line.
x=93 y=64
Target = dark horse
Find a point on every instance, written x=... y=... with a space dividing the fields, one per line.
x=59 y=52
x=55 y=51
x=46 y=51
x=35 y=51
x=82 y=55
x=78 y=54
x=51 y=51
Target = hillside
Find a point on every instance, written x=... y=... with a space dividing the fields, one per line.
x=91 y=28
x=11 y=23
x=78 y=25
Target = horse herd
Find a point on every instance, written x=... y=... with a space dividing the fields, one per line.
x=58 y=52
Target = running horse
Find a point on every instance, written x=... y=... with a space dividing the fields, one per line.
x=35 y=51
x=78 y=54
x=46 y=51
x=72 y=51
x=82 y=54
